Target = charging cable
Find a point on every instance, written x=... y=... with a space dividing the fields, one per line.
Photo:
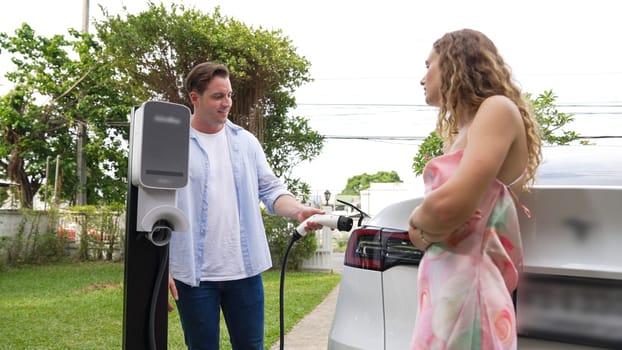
x=162 y=233
x=342 y=223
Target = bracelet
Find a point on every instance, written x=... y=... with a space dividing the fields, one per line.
x=423 y=237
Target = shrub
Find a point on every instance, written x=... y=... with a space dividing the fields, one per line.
x=100 y=231
x=279 y=231
x=35 y=242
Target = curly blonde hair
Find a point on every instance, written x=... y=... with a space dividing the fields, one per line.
x=472 y=70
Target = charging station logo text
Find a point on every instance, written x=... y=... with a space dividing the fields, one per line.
x=166 y=119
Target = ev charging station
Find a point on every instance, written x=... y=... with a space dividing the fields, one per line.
x=158 y=166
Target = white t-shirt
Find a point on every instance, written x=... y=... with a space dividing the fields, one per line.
x=222 y=258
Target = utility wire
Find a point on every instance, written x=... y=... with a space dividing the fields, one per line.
x=418 y=78
x=421 y=138
x=612 y=104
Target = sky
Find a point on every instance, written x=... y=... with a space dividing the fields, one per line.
x=367 y=58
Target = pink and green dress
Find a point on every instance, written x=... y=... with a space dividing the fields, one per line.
x=465 y=284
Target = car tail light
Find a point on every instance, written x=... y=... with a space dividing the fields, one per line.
x=375 y=248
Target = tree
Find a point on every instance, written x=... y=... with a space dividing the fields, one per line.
x=288 y=141
x=158 y=47
x=358 y=183
x=551 y=120
x=59 y=83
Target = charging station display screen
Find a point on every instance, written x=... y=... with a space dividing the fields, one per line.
x=164 y=159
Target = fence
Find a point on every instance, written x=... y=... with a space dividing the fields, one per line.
x=89 y=234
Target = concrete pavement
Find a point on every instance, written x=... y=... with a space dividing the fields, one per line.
x=311 y=333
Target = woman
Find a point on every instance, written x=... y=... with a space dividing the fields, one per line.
x=468 y=223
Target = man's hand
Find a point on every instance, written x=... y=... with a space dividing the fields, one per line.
x=307 y=212
x=173 y=289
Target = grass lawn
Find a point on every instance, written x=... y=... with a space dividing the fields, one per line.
x=80 y=306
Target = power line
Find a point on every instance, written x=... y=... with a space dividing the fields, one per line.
x=356 y=137
x=421 y=138
x=568 y=74
x=613 y=104
x=367 y=105
x=610 y=108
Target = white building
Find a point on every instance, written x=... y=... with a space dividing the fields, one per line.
x=380 y=195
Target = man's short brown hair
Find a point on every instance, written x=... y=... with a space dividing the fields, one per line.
x=200 y=76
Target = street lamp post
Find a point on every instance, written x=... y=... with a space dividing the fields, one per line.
x=323 y=256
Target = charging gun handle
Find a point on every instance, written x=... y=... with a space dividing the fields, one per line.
x=340 y=222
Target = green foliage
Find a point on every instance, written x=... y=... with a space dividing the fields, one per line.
x=287 y=142
x=35 y=242
x=279 y=231
x=44 y=237
x=431 y=147
x=340 y=243
x=551 y=120
x=155 y=50
x=61 y=83
x=358 y=183
x=94 y=81
x=100 y=233
x=4 y=195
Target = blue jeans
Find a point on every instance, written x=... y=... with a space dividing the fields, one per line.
x=242 y=303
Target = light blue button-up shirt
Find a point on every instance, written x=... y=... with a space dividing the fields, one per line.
x=254 y=181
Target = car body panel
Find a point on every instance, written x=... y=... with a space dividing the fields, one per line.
x=574 y=234
x=539 y=344
x=358 y=322
x=395 y=215
x=574 y=230
x=399 y=287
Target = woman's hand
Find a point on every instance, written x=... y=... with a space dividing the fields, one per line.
x=416 y=238
x=422 y=240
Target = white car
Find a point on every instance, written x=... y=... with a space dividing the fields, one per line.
x=571 y=293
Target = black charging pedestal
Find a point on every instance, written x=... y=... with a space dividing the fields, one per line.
x=157 y=168
x=143 y=261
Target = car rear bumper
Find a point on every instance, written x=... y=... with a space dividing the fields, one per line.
x=376 y=311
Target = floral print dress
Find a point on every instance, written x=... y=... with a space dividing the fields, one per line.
x=465 y=284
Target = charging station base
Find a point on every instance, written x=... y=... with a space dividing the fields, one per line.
x=142 y=264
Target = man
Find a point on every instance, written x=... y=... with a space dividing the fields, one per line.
x=218 y=262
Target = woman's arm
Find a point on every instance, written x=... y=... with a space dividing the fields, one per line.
x=494 y=129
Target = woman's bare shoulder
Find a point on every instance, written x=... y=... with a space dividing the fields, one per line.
x=499 y=103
